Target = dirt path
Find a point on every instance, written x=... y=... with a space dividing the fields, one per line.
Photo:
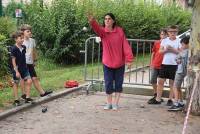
x=85 y=115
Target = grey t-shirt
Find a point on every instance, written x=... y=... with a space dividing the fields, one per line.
x=183 y=58
x=30 y=45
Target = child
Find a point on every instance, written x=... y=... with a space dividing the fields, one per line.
x=169 y=48
x=180 y=74
x=20 y=70
x=31 y=59
x=156 y=62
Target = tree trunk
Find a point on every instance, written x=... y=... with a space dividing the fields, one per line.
x=194 y=62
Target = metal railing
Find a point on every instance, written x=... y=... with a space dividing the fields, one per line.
x=138 y=75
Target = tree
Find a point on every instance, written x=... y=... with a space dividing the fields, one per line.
x=194 y=62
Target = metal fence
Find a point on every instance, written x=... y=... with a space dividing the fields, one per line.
x=138 y=75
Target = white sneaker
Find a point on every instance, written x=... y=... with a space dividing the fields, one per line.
x=107 y=107
x=115 y=107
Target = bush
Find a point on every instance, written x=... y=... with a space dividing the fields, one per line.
x=57 y=27
x=3 y=56
x=7 y=26
x=56 y=30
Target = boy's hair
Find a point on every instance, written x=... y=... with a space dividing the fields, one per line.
x=164 y=30
x=185 y=40
x=172 y=27
x=25 y=27
x=17 y=34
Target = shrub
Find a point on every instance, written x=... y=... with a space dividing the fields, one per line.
x=57 y=26
x=7 y=26
x=3 y=56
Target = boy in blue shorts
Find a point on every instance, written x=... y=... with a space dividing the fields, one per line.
x=180 y=75
x=20 y=70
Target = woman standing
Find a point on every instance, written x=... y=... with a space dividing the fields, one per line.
x=116 y=53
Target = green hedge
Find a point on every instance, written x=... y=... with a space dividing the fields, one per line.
x=7 y=26
x=57 y=27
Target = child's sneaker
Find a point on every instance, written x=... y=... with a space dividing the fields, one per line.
x=154 y=101
x=28 y=100
x=46 y=93
x=16 y=103
x=115 y=107
x=23 y=96
x=169 y=102
x=175 y=108
x=107 y=107
x=151 y=100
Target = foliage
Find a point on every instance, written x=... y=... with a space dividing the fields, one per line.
x=3 y=56
x=7 y=26
x=57 y=26
x=9 y=10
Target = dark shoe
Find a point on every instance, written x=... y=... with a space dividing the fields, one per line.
x=151 y=100
x=16 y=103
x=169 y=103
x=46 y=93
x=23 y=96
x=154 y=101
x=28 y=100
x=181 y=105
x=175 y=108
x=162 y=100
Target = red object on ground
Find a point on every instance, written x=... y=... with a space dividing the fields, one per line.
x=71 y=83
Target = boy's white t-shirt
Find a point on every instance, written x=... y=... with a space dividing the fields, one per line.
x=170 y=58
x=30 y=44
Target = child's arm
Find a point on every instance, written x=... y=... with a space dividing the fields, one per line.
x=15 y=67
x=34 y=53
x=173 y=50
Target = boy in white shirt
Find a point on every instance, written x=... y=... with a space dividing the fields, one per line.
x=170 y=48
x=30 y=59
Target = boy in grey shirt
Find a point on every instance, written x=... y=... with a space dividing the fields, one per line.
x=30 y=59
x=181 y=72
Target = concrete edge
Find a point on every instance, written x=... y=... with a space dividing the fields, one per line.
x=45 y=99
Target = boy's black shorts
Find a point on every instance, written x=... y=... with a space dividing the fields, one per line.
x=168 y=71
x=31 y=70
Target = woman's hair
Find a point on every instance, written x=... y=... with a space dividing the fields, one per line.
x=112 y=16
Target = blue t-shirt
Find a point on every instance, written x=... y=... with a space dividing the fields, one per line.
x=20 y=58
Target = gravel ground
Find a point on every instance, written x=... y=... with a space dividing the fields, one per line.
x=85 y=115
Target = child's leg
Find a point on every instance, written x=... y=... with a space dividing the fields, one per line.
x=22 y=85
x=153 y=80
x=176 y=94
x=160 y=89
x=37 y=85
x=28 y=83
x=171 y=93
x=180 y=98
x=15 y=91
x=34 y=78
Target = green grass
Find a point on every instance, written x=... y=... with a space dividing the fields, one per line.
x=53 y=76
